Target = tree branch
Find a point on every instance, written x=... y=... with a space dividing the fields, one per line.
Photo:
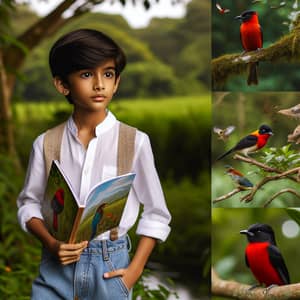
x=266 y=167
x=285 y=49
x=292 y=191
x=14 y=56
x=283 y=175
x=236 y=290
x=228 y=195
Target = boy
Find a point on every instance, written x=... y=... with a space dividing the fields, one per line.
x=86 y=67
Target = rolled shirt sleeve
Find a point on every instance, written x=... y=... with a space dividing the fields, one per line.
x=29 y=200
x=155 y=218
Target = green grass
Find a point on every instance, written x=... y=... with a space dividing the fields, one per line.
x=164 y=107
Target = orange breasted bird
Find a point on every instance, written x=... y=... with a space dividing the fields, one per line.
x=238 y=178
x=251 y=38
x=252 y=142
x=263 y=257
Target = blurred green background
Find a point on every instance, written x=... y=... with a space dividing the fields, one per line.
x=275 y=23
x=247 y=111
x=164 y=92
x=228 y=245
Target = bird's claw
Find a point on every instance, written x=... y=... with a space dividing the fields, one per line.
x=254 y=286
x=266 y=291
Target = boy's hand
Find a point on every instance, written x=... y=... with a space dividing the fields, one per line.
x=66 y=253
x=136 y=267
x=69 y=253
x=129 y=276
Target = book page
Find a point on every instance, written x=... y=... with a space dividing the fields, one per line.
x=59 y=207
x=104 y=206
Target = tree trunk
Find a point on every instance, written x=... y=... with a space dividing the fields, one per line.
x=12 y=58
x=6 y=136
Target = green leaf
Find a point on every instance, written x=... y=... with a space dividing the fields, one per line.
x=294 y=213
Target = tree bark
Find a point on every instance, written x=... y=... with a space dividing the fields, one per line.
x=236 y=290
x=6 y=134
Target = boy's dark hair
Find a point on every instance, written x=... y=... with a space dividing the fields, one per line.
x=83 y=49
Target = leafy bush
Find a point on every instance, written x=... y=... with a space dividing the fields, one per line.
x=142 y=79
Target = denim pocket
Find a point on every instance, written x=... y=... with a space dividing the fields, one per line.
x=119 y=259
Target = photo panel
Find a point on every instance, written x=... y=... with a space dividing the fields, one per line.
x=255 y=149
x=255 y=45
x=269 y=239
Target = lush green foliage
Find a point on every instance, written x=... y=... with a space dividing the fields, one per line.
x=283 y=158
x=186 y=188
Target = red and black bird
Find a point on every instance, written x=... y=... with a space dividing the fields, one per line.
x=252 y=39
x=252 y=142
x=57 y=204
x=263 y=257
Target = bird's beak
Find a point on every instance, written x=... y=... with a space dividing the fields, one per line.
x=238 y=18
x=247 y=232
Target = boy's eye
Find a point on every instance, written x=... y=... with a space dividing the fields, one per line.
x=109 y=74
x=85 y=74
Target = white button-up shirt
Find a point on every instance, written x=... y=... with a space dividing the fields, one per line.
x=86 y=167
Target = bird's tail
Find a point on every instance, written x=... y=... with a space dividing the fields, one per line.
x=252 y=74
x=224 y=154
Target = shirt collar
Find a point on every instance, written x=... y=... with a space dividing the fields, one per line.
x=105 y=125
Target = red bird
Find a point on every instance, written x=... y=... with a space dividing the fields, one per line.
x=263 y=257
x=252 y=142
x=252 y=39
x=57 y=205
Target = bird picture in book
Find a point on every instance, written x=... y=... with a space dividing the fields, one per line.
x=57 y=204
x=59 y=208
x=101 y=218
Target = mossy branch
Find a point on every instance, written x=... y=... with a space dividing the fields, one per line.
x=286 y=49
x=236 y=290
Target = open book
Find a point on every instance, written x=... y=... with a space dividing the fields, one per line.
x=70 y=221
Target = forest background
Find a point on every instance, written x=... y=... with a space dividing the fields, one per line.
x=164 y=92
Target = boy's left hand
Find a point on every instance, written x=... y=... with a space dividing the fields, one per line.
x=129 y=277
x=135 y=269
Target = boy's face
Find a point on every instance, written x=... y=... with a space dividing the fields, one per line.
x=92 y=89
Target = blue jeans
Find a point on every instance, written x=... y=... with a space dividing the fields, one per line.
x=84 y=279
